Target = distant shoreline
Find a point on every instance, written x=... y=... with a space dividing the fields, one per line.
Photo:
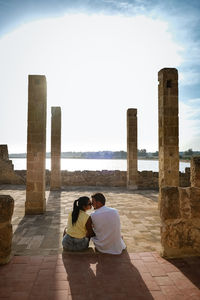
x=139 y=158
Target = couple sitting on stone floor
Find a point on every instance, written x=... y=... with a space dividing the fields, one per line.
x=103 y=227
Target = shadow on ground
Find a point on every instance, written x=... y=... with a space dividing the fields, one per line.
x=103 y=276
x=189 y=267
x=40 y=234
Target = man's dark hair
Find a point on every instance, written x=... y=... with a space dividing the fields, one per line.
x=100 y=198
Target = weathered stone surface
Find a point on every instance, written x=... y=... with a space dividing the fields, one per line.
x=185 y=208
x=170 y=205
x=168 y=127
x=7 y=173
x=180 y=231
x=195 y=202
x=132 y=173
x=36 y=145
x=181 y=238
x=55 y=182
x=6 y=208
x=6 y=211
x=4 y=152
x=146 y=179
x=195 y=171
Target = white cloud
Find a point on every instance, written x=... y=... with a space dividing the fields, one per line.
x=97 y=67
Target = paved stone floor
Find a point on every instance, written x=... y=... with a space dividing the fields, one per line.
x=39 y=269
x=143 y=276
x=42 y=234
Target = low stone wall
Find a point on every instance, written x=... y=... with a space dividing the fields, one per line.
x=146 y=179
x=6 y=211
x=180 y=221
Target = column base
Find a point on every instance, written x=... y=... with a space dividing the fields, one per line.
x=169 y=252
x=5 y=260
x=34 y=210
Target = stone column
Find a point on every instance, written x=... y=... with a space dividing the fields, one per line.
x=168 y=127
x=36 y=145
x=195 y=172
x=55 y=148
x=6 y=211
x=132 y=172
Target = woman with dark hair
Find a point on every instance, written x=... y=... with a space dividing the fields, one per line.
x=77 y=234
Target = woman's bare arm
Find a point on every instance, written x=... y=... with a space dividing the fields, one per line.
x=89 y=228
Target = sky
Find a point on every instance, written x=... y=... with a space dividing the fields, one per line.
x=100 y=57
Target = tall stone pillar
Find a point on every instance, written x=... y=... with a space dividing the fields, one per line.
x=55 y=148
x=168 y=127
x=132 y=172
x=36 y=145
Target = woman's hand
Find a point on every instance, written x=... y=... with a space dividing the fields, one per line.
x=88 y=226
x=64 y=232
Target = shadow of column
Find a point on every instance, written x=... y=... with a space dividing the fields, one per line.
x=40 y=234
x=189 y=267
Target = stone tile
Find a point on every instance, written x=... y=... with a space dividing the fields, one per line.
x=163 y=280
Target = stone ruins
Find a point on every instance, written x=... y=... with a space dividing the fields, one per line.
x=179 y=207
x=179 y=201
x=7 y=173
x=132 y=172
x=55 y=183
x=36 y=145
x=180 y=218
x=6 y=211
x=168 y=127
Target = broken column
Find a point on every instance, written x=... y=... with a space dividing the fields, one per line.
x=6 y=211
x=132 y=172
x=55 y=183
x=36 y=145
x=168 y=127
x=4 y=152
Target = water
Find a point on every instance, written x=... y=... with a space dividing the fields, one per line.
x=97 y=164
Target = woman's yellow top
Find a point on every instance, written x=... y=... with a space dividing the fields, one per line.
x=78 y=229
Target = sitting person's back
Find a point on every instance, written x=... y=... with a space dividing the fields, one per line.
x=106 y=225
x=76 y=235
x=78 y=229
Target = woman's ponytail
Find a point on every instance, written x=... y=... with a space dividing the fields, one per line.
x=78 y=205
x=75 y=212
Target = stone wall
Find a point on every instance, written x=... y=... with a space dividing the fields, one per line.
x=7 y=173
x=180 y=216
x=180 y=221
x=146 y=179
